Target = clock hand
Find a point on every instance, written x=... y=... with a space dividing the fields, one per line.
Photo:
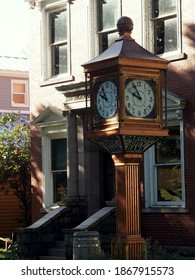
x=137 y=92
x=103 y=97
x=104 y=94
x=133 y=93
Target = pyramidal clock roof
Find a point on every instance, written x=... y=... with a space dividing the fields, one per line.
x=125 y=51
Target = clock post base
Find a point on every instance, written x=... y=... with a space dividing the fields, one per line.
x=128 y=243
x=128 y=247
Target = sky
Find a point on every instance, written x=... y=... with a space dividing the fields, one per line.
x=13 y=28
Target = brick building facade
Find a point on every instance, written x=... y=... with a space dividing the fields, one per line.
x=67 y=169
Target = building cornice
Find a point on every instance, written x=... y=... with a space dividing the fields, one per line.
x=36 y=3
x=14 y=74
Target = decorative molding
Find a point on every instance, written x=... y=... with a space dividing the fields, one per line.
x=75 y=98
x=36 y=3
x=32 y=3
x=75 y=95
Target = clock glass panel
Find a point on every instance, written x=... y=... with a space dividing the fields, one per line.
x=140 y=99
x=106 y=100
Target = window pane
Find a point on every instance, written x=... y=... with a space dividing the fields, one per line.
x=59 y=186
x=164 y=7
x=58 y=154
x=19 y=88
x=58 y=23
x=169 y=183
x=168 y=149
x=109 y=13
x=170 y=38
x=59 y=58
x=112 y=37
x=168 y=166
x=166 y=35
x=108 y=39
x=19 y=98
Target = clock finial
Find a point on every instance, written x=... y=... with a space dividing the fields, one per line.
x=125 y=26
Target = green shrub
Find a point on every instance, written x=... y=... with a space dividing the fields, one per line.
x=10 y=253
x=2 y=254
x=154 y=251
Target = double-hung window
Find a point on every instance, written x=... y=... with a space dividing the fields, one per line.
x=164 y=171
x=59 y=168
x=19 y=93
x=167 y=30
x=164 y=175
x=55 y=41
x=54 y=155
x=167 y=167
x=109 y=11
x=58 y=42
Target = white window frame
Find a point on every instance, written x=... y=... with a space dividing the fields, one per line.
x=148 y=31
x=26 y=93
x=51 y=125
x=48 y=195
x=150 y=177
x=175 y=118
x=49 y=7
x=113 y=30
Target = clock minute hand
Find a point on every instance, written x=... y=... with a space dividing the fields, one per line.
x=104 y=94
x=137 y=92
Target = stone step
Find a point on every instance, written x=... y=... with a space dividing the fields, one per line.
x=56 y=252
x=60 y=244
x=51 y=258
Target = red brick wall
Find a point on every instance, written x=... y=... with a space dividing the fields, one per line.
x=36 y=175
x=179 y=229
x=169 y=229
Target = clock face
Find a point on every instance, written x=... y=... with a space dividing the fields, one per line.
x=106 y=100
x=140 y=98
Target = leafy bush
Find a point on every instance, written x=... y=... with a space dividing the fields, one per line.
x=10 y=253
x=154 y=251
x=15 y=159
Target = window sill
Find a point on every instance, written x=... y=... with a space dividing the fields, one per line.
x=174 y=57
x=20 y=105
x=57 y=80
x=165 y=210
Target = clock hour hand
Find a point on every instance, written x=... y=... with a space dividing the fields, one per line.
x=133 y=93
x=137 y=92
x=104 y=95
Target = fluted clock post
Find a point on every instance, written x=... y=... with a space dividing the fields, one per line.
x=128 y=243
